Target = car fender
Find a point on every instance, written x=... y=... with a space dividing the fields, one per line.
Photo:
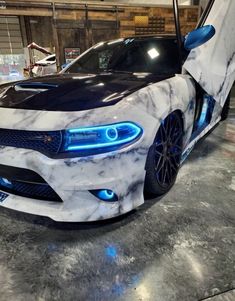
x=161 y=99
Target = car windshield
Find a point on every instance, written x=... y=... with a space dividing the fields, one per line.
x=149 y=55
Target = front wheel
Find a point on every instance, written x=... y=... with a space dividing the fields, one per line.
x=164 y=156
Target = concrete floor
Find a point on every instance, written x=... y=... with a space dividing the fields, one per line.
x=181 y=247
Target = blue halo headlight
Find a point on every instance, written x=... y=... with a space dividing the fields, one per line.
x=98 y=139
x=111 y=133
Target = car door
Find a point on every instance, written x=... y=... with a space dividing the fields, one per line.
x=213 y=64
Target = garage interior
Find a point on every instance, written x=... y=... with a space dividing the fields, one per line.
x=177 y=247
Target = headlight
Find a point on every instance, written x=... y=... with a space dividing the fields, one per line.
x=98 y=139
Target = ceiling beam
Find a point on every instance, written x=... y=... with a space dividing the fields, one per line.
x=91 y=3
x=25 y=12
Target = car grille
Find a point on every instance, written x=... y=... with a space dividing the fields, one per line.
x=26 y=183
x=46 y=142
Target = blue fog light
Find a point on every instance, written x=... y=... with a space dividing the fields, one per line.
x=105 y=195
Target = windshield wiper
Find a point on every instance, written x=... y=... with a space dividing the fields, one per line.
x=118 y=71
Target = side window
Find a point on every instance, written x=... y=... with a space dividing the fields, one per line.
x=51 y=59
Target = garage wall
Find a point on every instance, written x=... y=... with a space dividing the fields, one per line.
x=157 y=20
x=41 y=31
x=128 y=21
x=80 y=26
x=83 y=29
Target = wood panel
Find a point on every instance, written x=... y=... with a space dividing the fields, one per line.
x=81 y=26
x=161 y=20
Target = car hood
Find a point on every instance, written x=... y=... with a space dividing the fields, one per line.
x=73 y=92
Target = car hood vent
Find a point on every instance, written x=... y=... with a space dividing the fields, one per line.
x=36 y=87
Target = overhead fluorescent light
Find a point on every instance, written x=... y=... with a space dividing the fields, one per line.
x=153 y=53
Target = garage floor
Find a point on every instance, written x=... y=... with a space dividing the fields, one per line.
x=181 y=247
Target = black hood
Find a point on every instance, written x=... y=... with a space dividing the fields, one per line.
x=72 y=92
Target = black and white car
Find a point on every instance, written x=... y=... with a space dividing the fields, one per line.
x=85 y=144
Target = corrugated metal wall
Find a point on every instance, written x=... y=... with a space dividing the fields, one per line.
x=10 y=36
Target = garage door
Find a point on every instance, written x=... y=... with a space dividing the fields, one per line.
x=10 y=36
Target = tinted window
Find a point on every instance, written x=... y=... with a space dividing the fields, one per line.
x=51 y=59
x=98 y=59
x=131 y=59
x=161 y=56
x=158 y=56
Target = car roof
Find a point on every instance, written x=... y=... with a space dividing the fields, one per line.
x=143 y=37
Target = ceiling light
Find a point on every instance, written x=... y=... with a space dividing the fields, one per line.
x=153 y=53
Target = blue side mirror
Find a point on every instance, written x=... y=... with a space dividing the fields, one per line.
x=199 y=37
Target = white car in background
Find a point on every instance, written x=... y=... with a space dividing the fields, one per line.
x=45 y=66
x=14 y=73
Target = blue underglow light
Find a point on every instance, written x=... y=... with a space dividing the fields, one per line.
x=203 y=115
x=101 y=137
x=111 y=251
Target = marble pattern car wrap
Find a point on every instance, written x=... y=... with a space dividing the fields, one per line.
x=121 y=171
x=213 y=64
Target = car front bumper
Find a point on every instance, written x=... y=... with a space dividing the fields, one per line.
x=72 y=179
x=122 y=171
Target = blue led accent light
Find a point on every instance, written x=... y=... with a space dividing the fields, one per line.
x=103 y=137
x=204 y=112
x=105 y=195
x=205 y=116
x=5 y=183
x=111 y=251
x=111 y=134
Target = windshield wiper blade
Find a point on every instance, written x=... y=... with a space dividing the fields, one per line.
x=118 y=71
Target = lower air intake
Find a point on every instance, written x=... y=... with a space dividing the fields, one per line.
x=29 y=190
x=26 y=183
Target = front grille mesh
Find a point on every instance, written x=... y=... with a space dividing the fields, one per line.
x=46 y=142
x=41 y=191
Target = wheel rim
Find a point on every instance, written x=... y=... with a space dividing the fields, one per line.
x=168 y=150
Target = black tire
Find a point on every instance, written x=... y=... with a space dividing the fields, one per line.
x=163 y=160
x=226 y=108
